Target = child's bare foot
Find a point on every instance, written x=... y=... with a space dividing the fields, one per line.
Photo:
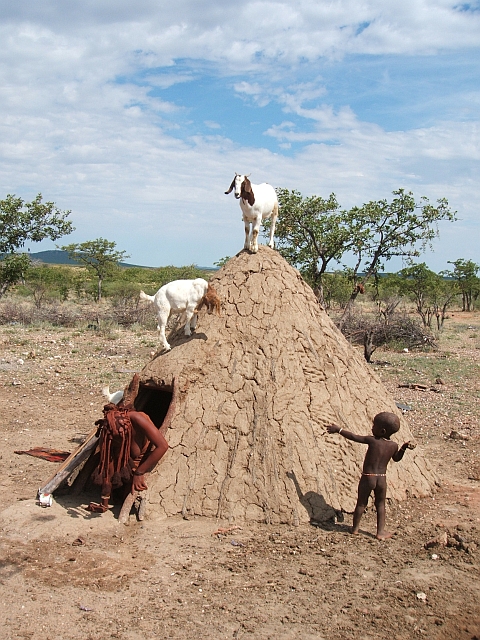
x=354 y=532
x=385 y=535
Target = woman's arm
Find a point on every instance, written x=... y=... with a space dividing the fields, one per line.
x=141 y=422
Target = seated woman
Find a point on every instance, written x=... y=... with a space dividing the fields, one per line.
x=126 y=453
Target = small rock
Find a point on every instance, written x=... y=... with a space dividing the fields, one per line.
x=440 y=541
x=456 y=435
x=421 y=596
x=439 y=381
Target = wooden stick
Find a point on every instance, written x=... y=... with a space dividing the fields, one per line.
x=71 y=463
x=143 y=505
x=127 y=507
x=86 y=471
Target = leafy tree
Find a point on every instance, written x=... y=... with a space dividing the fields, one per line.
x=13 y=267
x=46 y=281
x=222 y=262
x=336 y=289
x=310 y=234
x=465 y=274
x=98 y=256
x=39 y=281
x=21 y=221
x=431 y=293
x=381 y=230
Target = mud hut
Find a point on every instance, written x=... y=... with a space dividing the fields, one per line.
x=252 y=392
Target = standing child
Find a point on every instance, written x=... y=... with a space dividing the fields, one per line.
x=379 y=453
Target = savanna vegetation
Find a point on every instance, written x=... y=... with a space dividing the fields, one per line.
x=404 y=310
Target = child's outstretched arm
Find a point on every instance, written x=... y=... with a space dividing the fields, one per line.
x=334 y=428
x=399 y=454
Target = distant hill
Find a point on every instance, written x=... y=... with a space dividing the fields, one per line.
x=52 y=257
x=61 y=257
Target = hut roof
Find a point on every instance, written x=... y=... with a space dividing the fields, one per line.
x=256 y=388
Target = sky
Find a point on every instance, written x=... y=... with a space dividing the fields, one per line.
x=136 y=116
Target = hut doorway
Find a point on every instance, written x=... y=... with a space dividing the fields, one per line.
x=157 y=402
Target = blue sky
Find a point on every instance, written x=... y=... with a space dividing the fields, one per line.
x=136 y=115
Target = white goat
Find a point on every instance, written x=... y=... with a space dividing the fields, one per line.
x=257 y=202
x=113 y=398
x=186 y=297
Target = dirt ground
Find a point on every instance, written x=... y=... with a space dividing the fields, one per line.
x=68 y=574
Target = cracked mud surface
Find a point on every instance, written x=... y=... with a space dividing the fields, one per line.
x=256 y=390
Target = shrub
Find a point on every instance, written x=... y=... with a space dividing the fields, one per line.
x=400 y=332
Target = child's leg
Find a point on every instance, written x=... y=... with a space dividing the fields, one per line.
x=380 y=497
x=365 y=487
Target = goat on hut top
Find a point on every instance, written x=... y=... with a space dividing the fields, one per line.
x=257 y=202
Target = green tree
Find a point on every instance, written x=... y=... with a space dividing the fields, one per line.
x=40 y=280
x=465 y=275
x=46 y=282
x=21 y=221
x=222 y=262
x=381 y=230
x=336 y=289
x=13 y=267
x=98 y=256
x=310 y=234
x=431 y=293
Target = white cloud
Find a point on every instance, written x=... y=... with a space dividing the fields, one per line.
x=79 y=122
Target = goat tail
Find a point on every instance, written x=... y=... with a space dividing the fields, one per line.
x=145 y=296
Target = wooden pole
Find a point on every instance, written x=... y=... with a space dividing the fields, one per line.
x=71 y=463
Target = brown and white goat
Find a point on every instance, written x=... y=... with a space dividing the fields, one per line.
x=257 y=202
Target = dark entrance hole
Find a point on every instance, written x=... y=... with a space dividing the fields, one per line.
x=155 y=402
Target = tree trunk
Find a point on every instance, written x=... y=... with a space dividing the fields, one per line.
x=318 y=291
x=368 y=346
x=348 y=308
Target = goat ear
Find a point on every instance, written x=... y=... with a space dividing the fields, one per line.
x=247 y=185
x=230 y=187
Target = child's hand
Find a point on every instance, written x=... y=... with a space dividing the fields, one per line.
x=333 y=428
x=408 y=445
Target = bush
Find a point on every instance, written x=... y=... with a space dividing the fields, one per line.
x=400 y=332
x=13 y=312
